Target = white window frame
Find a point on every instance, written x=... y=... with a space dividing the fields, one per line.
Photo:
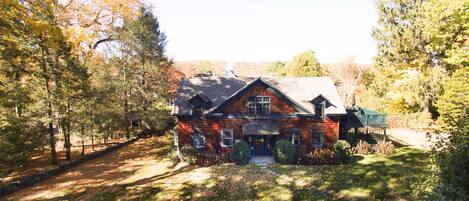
x=176 y=139
x=259 y=101
x=322 y=106
x=292 y=134
x=222 y=137
x=321 y=140
x=194 y=141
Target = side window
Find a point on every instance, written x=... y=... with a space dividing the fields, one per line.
x=176 y=139
x=296 y=136
x=227 y=137
x=198 y=140
x=318 y=139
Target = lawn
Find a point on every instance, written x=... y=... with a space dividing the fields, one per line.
x=370 y=177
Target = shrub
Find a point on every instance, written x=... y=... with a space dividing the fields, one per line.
x=173 y=155
x=189 y=154
x=342 y=151
x=241 y=153
x=362 y=148
x=209 y=158
x=384 y=147
x=18 y=140
x=317 y=156
x=284 y=152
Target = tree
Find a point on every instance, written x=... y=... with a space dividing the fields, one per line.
x=274 y=67
x=205 y=67
x=450 y=157
x=53 y=80
x=410 y=36
x=88 y=24
x=302 y=65
x=143 y=39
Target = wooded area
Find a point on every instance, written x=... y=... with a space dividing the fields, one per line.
x=98 y=70
x=91 y=69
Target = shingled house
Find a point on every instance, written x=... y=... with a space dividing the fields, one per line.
x=212 y=112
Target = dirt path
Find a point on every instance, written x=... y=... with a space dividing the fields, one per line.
x=128 y=164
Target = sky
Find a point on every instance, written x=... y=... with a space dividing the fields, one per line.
x=261 y=30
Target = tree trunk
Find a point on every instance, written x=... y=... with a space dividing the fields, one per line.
x=67 y=124
x=92 y=142
x=82 y=132
x=49 y=111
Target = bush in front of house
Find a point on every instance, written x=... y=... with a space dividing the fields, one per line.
x=362 y=147
x=342 y=151
x=241 y=153
x=173 y=155
x=316 y=156
x=384 y=147
x=189 y=154
x=284 y=152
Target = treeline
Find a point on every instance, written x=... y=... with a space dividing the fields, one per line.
x=93 y=69
x=422 y=66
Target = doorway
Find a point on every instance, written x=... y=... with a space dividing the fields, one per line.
x=261 y=145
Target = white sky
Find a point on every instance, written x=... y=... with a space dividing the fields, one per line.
x=261 y=30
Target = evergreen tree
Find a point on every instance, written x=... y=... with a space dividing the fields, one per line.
x=143 y=39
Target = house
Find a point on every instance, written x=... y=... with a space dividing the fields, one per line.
x=213 y=112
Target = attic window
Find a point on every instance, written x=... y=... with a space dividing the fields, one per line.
x=199 y=104
x=259 y=105
x=319 y=109
x=320 y=104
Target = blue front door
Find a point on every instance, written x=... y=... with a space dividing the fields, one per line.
x=261 y=145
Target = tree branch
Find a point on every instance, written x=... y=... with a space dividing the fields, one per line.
x=102 y=41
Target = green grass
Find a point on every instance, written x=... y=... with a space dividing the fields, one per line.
x=370 y=177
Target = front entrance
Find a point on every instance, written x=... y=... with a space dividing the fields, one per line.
x=261 y=145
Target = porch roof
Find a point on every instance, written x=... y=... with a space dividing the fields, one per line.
x=261 y=128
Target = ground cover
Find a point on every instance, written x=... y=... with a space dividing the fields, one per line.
x=142 y=171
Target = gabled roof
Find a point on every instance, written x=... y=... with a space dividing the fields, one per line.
x=259 y=80
x=220 y=90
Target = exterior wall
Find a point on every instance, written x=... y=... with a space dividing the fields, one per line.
x=234 y=117
x=212 y=128
x=277 y=105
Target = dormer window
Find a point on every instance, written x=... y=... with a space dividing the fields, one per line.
x=198 y=110
x=320 y=104
x=319 y=109
x=199 y=104
x=259 y=105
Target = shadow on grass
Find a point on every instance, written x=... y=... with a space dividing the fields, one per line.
x=370 y=177
x=139 y=190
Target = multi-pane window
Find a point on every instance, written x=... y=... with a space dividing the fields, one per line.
x=318 y=139
x=198 y=140
x=259 y=105
x=227 y=137
x=296 y=136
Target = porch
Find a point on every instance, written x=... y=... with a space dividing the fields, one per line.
x=261 y=137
